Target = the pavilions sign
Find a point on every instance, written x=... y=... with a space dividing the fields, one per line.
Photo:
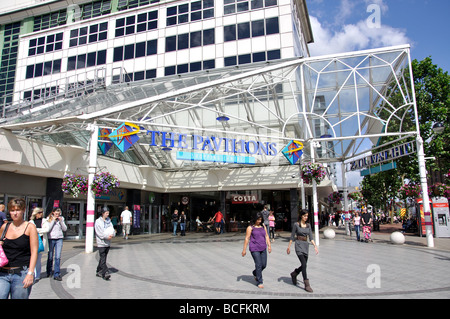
x=384 y=156
x=190 y=147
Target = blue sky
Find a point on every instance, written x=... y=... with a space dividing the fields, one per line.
x=341 y=26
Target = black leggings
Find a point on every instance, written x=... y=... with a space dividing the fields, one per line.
x=302 y=269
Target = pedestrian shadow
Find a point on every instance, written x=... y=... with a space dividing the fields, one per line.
x=246 y=278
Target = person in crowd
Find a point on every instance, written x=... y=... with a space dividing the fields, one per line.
x=357 y=224
x=56 y=226
x=257 y=239
x=126 y=219
x=300 y=231
x=272 y=225
x=37 y=218
x=366 y=222
x=337 y=217
x=183 y=223
x=2 y=214
x=265 y=213
x=175 y=219
x=199 y=224
x=217 y=221
x=104 y=232
x=20 y=243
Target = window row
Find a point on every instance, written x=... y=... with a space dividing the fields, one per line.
x=43 y=93
x=45 y=68
x=251 y=29
x=234 y=6
x=135 y=76
x=252 y=57
x=190 y=40
x=91 y=34
x=189 y=67
x=137 y=23
x=194 y=11
x=135 y=50
x=130 y=4
x=49 y=43
x=50 y=20
x=86 y=60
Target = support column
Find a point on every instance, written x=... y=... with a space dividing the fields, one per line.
x=90 y=213
x=425 y=198
x=315 y=201
x=345 y=208
x=294 y=206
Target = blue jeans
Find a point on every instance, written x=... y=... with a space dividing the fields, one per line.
x=174 y=228
x=183 y=229
x=260 y=258
x=54 y=248
x=357 y=231
x=11 y=285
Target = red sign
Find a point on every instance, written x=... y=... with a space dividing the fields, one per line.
x=244 y=199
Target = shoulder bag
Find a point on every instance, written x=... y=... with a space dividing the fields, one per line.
x=3 y=259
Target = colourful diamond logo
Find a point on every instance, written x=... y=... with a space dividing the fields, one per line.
x=293 y=151
x=125 y=136
x=103 y=134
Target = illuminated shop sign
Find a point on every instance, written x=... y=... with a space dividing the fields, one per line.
x=244 y=199
x=384 y=156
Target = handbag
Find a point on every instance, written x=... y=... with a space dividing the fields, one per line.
x=3 y=259
x=41 y=244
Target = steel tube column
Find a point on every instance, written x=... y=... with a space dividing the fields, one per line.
x=90 y=214
x=315 y=201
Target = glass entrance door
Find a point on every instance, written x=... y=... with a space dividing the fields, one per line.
x=72 y=215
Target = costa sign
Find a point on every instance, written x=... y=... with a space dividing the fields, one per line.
x=244 y=199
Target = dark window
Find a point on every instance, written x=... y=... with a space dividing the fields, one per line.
x=232 y=60
x=129 y=52
x=152 y=47
x=48 y=68
x=171 y=44
x=38 y=69
x=270 y=3
x=183 y=41
x=140 y=49
x=30 y=71
x=259 y=56
x=81 y=61
x=71 y=63
x=150 y=74
x=101 y=57
x=245 y=58
x=257 y=28
x=208 y=37
x=182 y=68
x=139 y=75
x=169 y=70
x=272 y=26
x=57 y=66
x=229 y=33
x=91 y=58
x=196 y=39
x=273 y=55
x=195 y=66
x=243 y=30
x=118 y=54
x=257 y=4
x=209 y=64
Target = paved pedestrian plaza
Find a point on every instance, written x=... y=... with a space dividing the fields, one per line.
x=208 y=266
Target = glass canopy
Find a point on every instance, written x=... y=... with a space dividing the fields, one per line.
x=341 y=104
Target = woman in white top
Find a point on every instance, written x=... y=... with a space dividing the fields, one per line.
x=357 y=224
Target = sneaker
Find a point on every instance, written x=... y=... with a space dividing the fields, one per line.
x=58 y=278
x=106 y=277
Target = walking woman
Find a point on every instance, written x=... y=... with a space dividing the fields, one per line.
x=20 y=244
x=36 y=219
x=259 y=241
x=357 y=223
x=300 y=231
x=55 y=235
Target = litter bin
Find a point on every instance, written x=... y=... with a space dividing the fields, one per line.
x=376 y=225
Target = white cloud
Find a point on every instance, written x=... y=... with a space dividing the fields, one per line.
x=353 y=37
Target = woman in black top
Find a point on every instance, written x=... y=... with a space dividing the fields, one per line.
x=300 y=231
x=20 y=245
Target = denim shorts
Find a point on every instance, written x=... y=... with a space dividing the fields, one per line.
x=11 y=285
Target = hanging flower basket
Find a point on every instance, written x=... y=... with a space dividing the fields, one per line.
x=412 y=191
x=335 y=198
x=439 y=190
x=74 y=185
x=313 y=171
x=103 y=183
x=356 y=196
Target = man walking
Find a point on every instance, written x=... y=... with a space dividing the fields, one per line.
x=126 y=218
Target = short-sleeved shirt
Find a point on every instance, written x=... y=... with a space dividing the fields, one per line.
x=126 y=217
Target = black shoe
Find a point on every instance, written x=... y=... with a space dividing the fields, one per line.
x=58 y=278
x=294 y=278
x=98 y=274
x=106 y=277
